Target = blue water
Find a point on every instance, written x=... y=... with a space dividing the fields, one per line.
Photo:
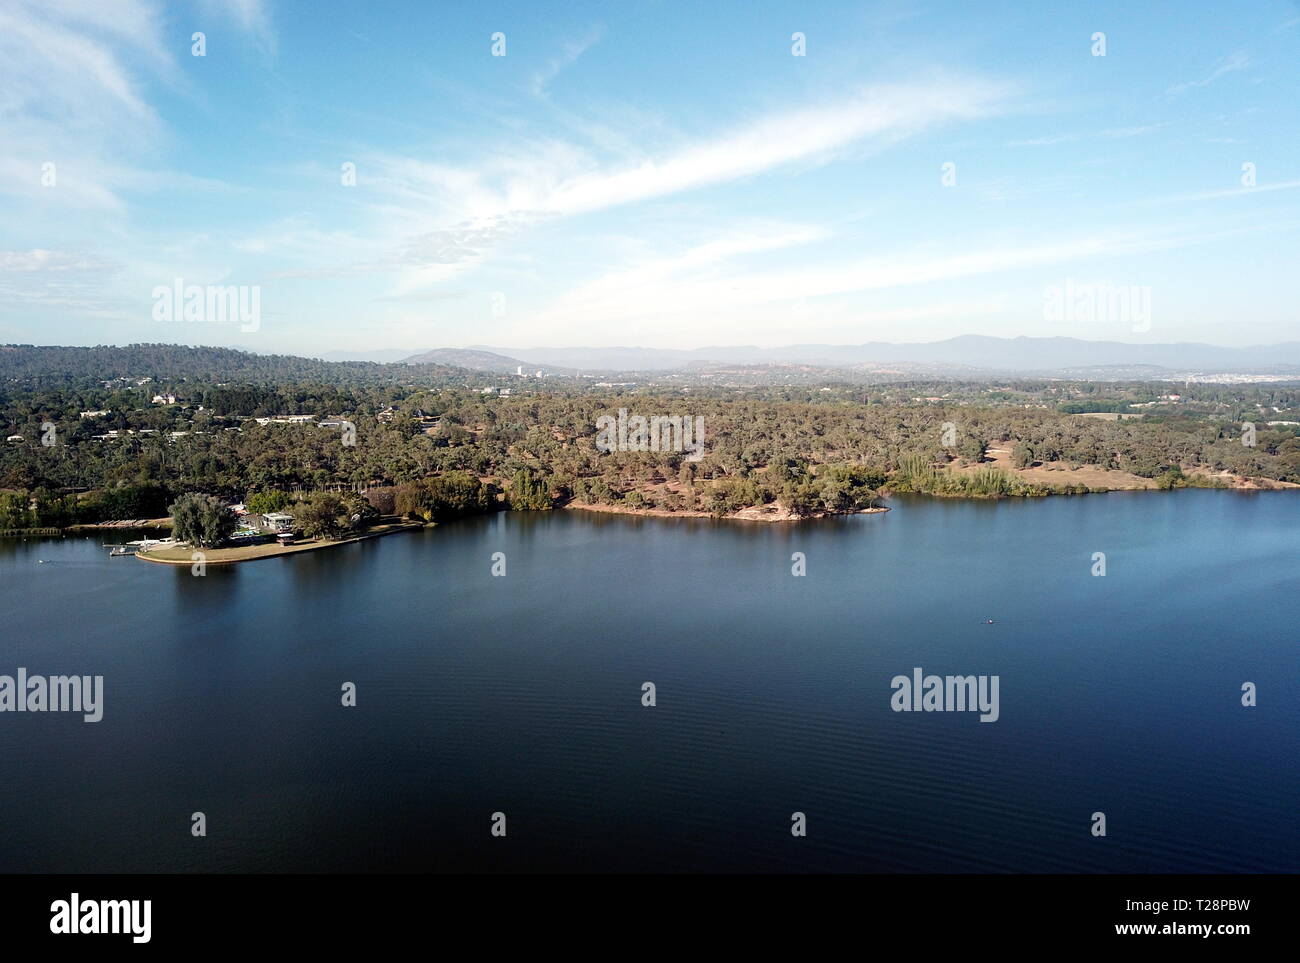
x=522 y=694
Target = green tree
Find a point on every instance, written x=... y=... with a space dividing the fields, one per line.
x=322 y=515
x=201 y=520
x=528 y=492
x=14 y=512
x=453 y=495
x=269 y=500
x=847 y=488
x=357 y=511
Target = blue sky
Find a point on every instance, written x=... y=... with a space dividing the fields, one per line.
x=646 y=173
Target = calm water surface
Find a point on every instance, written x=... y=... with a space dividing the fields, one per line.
x=523 y=695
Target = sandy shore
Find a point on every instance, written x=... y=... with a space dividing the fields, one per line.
x=180 y=555
x=1061 y=475
x=764 y=513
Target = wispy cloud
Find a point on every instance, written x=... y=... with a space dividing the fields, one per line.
x=568 y=54
x=1230 y=64
x=1225 y=192
x=72 y=95
x=880 y=115
x=81 y=141
x=1113 y=133
x=560 y=179
x=649 y=273
x=73 y=80
x=251 y=16
x=667 y=298
x=71 y=281
x=1048 y=141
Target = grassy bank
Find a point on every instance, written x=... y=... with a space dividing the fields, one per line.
x=182 y=554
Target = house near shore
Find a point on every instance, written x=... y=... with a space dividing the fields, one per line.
x=274 y=522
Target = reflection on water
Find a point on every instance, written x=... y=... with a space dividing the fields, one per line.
x=522 y=694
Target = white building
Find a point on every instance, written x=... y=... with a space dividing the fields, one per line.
x=277 y=522
x=284 y=419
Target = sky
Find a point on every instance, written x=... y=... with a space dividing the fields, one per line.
x=412 y=175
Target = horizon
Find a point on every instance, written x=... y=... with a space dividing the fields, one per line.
x=477 y=346
x=894 y=172
x=972 y=358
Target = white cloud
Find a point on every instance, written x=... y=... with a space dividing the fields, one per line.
x=1234 y=62
x=1226 y=192
x=884 y=114
x=73 y=80
x=62 y=280
x=251 y=16
x=557 y=179
x=672 y=299
x=1045 y=141
x=70 y=76
x=570 y=52
x=1114 y=133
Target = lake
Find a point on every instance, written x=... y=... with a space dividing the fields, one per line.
x=479 y=694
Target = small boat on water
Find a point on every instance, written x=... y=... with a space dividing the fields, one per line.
x=119 y=551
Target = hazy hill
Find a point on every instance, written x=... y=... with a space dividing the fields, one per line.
x=167 y=362
x=388 y=356
x=1023 y=354
x=481 y=360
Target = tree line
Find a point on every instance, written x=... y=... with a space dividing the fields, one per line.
x=443 y=447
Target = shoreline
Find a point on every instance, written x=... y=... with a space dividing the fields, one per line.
x=161 y=524
x=253 y=553
x=1052 y=481
x=751 y=514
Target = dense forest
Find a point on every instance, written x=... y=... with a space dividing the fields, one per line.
x=104 y=433
x=39 y=366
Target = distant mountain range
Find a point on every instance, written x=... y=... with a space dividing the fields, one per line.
x=970 y=358
x=484 y=360
x=966 y=353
